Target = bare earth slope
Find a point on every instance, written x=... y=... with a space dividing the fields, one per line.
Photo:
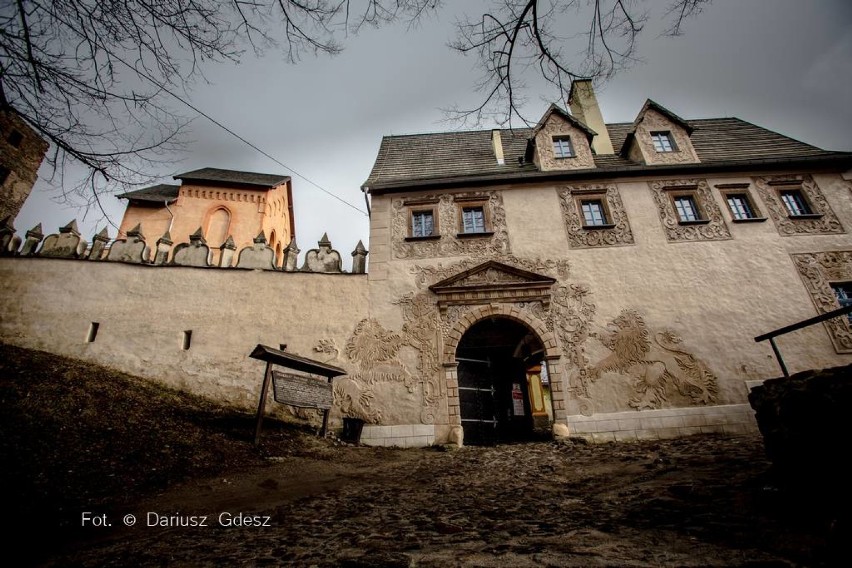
x=76 y=438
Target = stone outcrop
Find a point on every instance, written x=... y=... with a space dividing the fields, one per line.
x=805 y=424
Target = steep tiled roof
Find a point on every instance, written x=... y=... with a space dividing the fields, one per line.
x=159 y=193
x=231 y=176
x=468 y=154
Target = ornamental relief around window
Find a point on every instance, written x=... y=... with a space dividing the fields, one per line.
x=582 y=237
x=494 y=242
x=818 y=270
x=712 y=225
x=824 y=221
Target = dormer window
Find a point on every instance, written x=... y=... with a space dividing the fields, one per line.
x=663 y=141
x=562 y=147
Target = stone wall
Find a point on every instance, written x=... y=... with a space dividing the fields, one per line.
x=135 y=317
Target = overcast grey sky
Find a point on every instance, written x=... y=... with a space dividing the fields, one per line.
x=781 y=64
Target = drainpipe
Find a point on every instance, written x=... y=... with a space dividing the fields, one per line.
x=172 y=220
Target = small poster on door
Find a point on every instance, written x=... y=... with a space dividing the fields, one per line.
x=517 y=400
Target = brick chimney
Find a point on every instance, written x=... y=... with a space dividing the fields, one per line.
x=584 y=107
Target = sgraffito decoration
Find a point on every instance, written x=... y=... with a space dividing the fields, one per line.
x=711 y=227
x=655 y=368
x=662 y=373
x=450 y=241
x=821 y=221
x=617 y=232
x=818 y=270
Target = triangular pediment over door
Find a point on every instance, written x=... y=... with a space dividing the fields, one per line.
x=492 y=282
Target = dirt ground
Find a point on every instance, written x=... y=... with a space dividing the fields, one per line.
x=701 y=501
x=83 y=447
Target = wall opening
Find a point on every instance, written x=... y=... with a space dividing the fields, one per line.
x=186 y=340
x=503 y=395
x=93 y=332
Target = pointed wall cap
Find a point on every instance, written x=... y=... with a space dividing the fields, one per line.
x=166 y=239
x=229 y=244
x=260 y=238
x=6 y=224
x=70 y=228
x=197 y=237
x=359 y=249
x=292 y=246
x=135 y=231
x=324 y=242
x=103 y=235
x=35 y=232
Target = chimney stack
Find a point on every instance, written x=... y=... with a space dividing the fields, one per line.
x=497 y=144
x=584 y=107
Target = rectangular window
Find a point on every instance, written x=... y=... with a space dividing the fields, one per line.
x=422 y=224
x=15 y=138
x=473 y=220
x=562 y=147
x=843 y=293
x=186 y=340
x=594 y=214
x=795 y=202
x=4 y=174
x=740 y=206
x=663 y=142
x=686 y=208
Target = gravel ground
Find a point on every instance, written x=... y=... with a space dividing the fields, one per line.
x=698 y=501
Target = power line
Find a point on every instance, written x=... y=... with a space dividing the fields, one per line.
x=232 y=133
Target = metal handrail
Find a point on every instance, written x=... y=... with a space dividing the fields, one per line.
x=796 y=326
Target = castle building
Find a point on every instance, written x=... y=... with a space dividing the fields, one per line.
x=22 y=151
x=608 y=279
x=577 y=277
x=221 y=203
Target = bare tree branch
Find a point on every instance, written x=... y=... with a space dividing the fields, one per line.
x=515 y=42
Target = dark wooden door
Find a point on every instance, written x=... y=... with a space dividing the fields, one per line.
x=476 y=402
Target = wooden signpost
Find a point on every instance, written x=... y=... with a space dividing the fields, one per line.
x=293 y=389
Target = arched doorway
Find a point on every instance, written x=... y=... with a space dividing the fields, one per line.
x=502 y=383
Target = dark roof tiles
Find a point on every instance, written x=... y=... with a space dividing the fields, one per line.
x=233 y=176
x=159 y=193
x=457 y=155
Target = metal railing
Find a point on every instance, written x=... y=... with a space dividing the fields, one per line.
x=796 y=326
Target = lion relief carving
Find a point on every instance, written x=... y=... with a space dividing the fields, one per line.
x=660 y=369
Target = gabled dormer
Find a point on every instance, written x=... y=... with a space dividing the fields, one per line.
x=560 y=142
x=659 y=136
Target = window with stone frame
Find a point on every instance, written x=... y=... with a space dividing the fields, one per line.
x=688 y=211
x=663 y=141
x=843 y=293
x=563 y=147
x=741 y=204
x=827 y=277
x=422 y=223
x=686 y=208
x=795 y=202
x=474 y=219
x=797 y=205
x=447 y=238
x=594 y=216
